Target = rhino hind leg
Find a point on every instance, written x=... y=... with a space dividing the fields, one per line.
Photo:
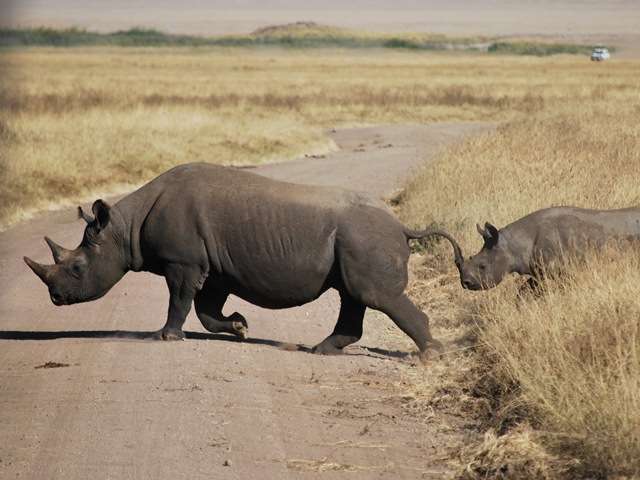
x=348 y=329
x=209 y=310
x=411 y=320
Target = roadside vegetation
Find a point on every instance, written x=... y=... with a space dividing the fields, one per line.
x=553 y=379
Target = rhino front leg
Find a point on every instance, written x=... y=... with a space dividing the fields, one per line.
x=182 y=282
x=209 y=305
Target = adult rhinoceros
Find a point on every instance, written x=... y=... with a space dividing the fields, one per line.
x=212 y=231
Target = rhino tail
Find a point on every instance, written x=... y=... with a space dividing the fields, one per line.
x=429 y=232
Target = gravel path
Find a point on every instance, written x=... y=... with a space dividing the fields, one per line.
x=84 y=394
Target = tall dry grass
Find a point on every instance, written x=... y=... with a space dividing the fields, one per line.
x=581 y=154
x=81 y=121
x=574 y=354
x=567 y=362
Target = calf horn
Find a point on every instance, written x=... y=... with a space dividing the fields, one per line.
x=40 y=270
x=457 y=251
x=57 y=251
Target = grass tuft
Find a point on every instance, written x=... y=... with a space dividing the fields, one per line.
x=518 y=455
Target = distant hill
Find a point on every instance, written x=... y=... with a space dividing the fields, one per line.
x=297 y=28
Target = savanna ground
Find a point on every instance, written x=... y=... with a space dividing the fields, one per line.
x=554 y=380
x=83 y=120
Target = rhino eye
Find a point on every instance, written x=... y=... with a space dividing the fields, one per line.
x=482 y=267
x=76 y=269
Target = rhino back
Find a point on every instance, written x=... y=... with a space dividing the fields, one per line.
x=559 y=231
x=269 y=242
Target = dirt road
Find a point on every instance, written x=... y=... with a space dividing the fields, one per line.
x=84 y=394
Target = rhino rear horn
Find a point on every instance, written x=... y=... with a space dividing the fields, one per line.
x=58 y=252
x=40 y=270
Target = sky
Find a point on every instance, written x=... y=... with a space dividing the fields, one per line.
x=488 y=17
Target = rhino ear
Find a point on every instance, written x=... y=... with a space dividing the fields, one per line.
x=491 y=230
x=491 y=235
x=101 y=211
x=87 y=218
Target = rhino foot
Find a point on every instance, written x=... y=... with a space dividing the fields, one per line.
x=239 y=326
x=434 y=351
x=239 y=330
x=326 y=348
x=168 y=334
x=235 y=324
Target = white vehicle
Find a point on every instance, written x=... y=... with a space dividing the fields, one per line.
x=600 y=53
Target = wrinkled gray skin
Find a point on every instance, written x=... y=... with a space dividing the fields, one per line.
x=540 y=241
x=212 y=231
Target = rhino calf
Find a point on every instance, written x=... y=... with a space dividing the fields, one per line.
x=213 y=231
x=542 y=240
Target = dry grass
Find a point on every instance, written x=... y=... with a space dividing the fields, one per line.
x=80 y=121
x=325 y=465
x=567 y=362
x=574 y=354
x=582 y=155
x=516 y=455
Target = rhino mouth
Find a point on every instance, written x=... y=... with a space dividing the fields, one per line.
x=470 y=285
x=60 y=300
x=57 y=300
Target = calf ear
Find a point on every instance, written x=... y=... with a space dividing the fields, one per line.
x=492 y=234
x=101 y=211
x=489 y=233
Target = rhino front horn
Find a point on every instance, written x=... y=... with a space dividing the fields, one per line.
x=57 y=251
x=41 y=271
